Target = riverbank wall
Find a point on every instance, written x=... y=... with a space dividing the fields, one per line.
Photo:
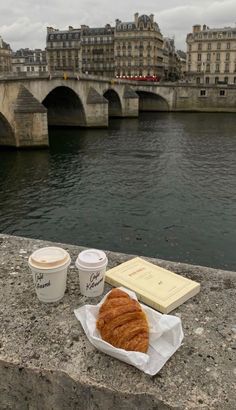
x=47 y=362
x=205 y=98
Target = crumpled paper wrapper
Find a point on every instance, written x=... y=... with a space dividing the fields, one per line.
x=166 y=335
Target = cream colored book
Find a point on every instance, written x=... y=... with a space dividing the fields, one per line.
x=157 y=287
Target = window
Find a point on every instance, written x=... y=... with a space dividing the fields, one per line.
x=228 y=46
x=199 y=68
x=218 y=46
x=207 y=80
x=202 y=93
x=216 y=80
x=222 y=93
x=226 y=80
x=217 y=56
x=207 y=68
x=227 y=56
x=199 y=57
x=226 y=67
x=234 y=80
x=208 y=56
x=199 y=46
x=217 y=68
x=209 y=46
x=198 y=80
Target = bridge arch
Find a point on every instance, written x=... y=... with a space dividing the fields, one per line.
x=114 y=107
x=7 y=136
x=150 y=101
x=65 y=107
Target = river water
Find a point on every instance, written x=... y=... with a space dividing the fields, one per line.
x=162 y=185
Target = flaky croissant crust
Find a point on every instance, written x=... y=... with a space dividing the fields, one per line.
x=122 y=322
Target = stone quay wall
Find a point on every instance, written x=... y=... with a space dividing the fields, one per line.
x=46 y=361
x=206 y=98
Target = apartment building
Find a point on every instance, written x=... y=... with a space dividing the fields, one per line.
x=98 y=50
x=5 y=57
x=211 y=55
x=171 y=60
x=63 y=49
x=26 y=60
x=138 y=47
x=127 y=49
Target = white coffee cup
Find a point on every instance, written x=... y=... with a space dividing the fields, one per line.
x=49 y=269
x=91 y=264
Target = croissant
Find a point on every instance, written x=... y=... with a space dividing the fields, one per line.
x=122 y=322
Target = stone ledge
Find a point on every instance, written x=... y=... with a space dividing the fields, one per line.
x=46 y=361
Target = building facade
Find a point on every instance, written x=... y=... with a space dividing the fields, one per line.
x=26 y=60
x=171 y=60
x=211 y=55
x=98 y=50
x=5 y=57
x=63 y=49
x=127 y=49
x=138 y=47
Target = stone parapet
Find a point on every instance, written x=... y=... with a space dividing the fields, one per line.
x=46 y=361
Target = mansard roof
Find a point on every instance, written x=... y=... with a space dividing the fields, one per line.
x=125 y=26
x=3 y=44
x=144 y=19
x=64 y=35
x=93 y=31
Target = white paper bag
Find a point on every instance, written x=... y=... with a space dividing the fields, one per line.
x=165 y=337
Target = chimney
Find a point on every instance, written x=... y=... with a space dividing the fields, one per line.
x=196 y=28
x=204 y=27
x=136 y=19
x=71 y=28
x=152 y=17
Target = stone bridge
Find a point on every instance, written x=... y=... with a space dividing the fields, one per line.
x=29 y=104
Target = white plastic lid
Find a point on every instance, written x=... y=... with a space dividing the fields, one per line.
x=91 y=258
x=49 y=258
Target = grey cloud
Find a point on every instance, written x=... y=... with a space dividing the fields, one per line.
x=23 y=23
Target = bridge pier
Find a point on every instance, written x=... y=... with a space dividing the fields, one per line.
x=30 y=121
x=96 y=109
x=130 y=103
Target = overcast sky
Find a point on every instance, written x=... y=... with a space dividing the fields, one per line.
x=23 y=22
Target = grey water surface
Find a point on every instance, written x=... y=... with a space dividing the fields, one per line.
x=162 y=185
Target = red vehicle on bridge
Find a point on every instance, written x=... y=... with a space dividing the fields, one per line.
x=152 y=78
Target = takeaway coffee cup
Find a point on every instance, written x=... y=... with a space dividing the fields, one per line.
x=49 y=269
x=91 y=264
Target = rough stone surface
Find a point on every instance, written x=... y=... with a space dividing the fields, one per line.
x=46 y=361
x=26 y=102
x=95 y=98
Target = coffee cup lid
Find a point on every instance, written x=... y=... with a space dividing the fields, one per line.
x=91 y=258
x=49 y=258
